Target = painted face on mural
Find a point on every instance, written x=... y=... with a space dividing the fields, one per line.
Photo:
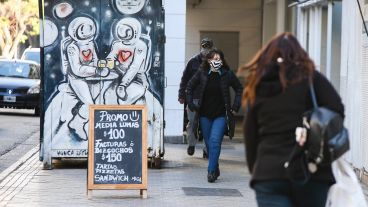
x=129 y=6
x=85 y=31
x=82 y=29
x=125 y=32
x=128 y=30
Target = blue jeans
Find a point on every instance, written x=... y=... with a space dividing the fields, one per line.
x=213 y=132
x=282 y=193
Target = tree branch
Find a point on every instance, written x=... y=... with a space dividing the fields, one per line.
x=16 y=16
x=2 y=40
x=8 y=40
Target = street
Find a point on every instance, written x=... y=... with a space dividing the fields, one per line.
x=16 y=130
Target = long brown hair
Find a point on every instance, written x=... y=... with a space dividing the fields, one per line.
x=282 y=53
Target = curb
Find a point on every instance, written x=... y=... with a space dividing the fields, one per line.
x=18 y=163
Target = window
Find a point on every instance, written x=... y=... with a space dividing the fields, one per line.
x=33 y=72
x=19 y=70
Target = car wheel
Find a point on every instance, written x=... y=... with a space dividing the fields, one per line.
x=37 y=111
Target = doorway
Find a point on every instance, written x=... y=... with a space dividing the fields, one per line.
x=228 y=42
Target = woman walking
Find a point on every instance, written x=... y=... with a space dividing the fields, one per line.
x=213 y=80
x=276 y=96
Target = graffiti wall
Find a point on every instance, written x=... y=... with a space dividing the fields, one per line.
x=100 y=52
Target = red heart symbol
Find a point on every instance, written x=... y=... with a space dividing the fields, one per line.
x=124 y=55
x=87 y=54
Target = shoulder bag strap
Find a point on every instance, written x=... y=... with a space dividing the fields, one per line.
x=313 y=95
x=296 y=158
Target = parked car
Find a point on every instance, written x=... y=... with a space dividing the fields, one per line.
x=20 y=84
x=32 y=54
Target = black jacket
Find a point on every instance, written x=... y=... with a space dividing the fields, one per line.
x=191 y=68
x=228 y=79
x=269 y=126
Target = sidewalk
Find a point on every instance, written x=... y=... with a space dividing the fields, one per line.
x=181 y=182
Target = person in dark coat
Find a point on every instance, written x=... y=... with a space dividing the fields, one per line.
x=213 y=81
x=276 y=96
x=191 y=68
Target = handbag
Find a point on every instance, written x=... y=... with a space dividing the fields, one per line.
x=230 y=125
x=327 y=138
x=347 y=191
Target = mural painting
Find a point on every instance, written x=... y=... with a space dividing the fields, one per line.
x=100 y=52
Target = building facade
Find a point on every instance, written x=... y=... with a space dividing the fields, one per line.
x=235 y=27
x=354 y=79
x=332 y=32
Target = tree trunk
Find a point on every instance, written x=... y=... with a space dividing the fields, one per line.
x=16 y=41
x=17 y=16
x=9 y=42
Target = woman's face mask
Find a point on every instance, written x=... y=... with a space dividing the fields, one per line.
x=215 y=62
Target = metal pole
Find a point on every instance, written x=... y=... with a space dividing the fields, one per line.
x=361 y=14
x=41 y=18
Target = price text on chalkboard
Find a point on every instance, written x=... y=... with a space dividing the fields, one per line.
x=117 y=154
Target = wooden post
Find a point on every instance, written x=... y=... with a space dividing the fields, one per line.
x=143 y=193
x=89 y=194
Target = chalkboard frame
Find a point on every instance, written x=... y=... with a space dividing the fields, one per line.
x=91 y=140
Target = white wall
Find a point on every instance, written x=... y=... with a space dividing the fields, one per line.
x=277 y=18
x=351 y=86
x=269 y=20
x=174 y=64
x=334 y=44
x=364 y=63
x=352 y=76
x=243 y=16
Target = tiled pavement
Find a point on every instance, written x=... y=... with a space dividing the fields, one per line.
x=181 y=182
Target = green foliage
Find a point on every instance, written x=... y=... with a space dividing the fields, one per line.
x=18 y=20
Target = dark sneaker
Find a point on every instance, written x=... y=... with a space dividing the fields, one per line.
x=211 y=177
x=217 y=173
x=205 y=155
x=190 y=150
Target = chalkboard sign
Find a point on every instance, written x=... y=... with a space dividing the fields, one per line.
x=117 y=152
